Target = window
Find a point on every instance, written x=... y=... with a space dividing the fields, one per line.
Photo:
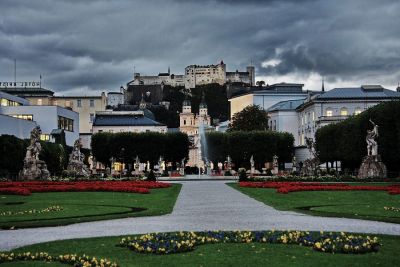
x=344 y=112
x=45 y=137
x=65 y=124
x=55 y=103
x=357 y=111
x=329 y=112
x=39 y=102
x=313 y=116
x=91 y=117
x=91 y=102
x=79 y=103
x=68 y=103
x=28 y=117
x=184 y=122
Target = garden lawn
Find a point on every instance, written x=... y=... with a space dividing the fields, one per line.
x=84 y=206
x=368 y=205
x=253 y=254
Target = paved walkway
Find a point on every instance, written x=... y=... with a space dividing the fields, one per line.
x=201 y=205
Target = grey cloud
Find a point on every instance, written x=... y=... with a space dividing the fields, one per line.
x=96 y=44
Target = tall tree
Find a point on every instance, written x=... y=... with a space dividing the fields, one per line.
x=251 y=118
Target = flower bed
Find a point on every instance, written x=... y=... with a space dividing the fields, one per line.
x=31 y=211
x=168 y=243
x=26 y=188
x=70 y=259
x=287 y=187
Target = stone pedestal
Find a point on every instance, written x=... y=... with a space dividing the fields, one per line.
x=372 y=166
x=34 y=169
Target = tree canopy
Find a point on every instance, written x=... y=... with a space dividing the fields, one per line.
x=251 y=118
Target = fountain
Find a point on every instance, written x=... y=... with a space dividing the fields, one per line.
x=203 y=150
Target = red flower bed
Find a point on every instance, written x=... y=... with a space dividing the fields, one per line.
x=287 y=187
x=26 y=188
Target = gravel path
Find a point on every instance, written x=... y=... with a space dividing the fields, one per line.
x=201 y=205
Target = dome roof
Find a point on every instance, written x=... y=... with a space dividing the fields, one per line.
x=203 y=105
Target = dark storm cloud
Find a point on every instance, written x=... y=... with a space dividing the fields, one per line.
x=95 y=45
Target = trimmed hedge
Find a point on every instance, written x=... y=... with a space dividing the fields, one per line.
x=345 y=141
x=147 y=146
x=263 y=145
x=13 y=150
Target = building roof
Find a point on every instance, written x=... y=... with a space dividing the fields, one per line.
x=362 y=92
x=124 y=120
x=286 y=105
x=28 y=91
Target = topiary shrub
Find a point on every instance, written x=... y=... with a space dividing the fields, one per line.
x=151 y=176
x=242 y=175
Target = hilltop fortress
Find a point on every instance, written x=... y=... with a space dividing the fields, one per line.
x=198 y=75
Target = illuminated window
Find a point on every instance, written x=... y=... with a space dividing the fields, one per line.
x=344 y=112
x=68 y=103
x=329 y=113
x=45 y=137
x=39 y=102
x=357 y=111
x=55 y=103
x=65 y=124
x=28 y=117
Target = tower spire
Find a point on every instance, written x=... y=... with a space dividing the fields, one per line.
x=323 y=84
x=169 y=70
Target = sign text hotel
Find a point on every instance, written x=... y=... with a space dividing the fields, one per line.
x=19 y=84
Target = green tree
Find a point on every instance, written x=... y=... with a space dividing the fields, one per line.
x=251 y=118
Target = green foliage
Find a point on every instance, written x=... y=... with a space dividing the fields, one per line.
x=263 y=145
x=12 y=152
x=55 y=157
x=251 y=118
x=147 y=146
x=345 y=141
x=242 y=175
x=151 y=176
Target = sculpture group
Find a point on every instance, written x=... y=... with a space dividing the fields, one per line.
x=34 y=168
x=372 y=165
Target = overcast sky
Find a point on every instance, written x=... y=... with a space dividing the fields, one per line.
x=91 y=46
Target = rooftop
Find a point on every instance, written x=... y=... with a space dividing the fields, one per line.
x=286 y=105
x=365 y=91
x=124 y=118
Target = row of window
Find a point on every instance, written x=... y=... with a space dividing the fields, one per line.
x=343 y=112
x=68 y=103
x=5 y=102
x=28 y=117
x=65 y=124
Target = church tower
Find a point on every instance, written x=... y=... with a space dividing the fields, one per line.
x=187 y=118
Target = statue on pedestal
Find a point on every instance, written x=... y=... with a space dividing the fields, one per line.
x=311 y=166
x=34 y=168
x=372 y=165
x=76 y=158
x=275 y=165
x=252 y=169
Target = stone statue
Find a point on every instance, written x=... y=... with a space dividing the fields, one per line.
x=76 y=158
x=372 y=145
x=34 y=168
x=275 y=165
x=294 y=164
x=311 y=165
x=252 y=162
x=372 y=165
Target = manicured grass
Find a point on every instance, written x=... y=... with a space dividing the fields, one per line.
x=85 y=206
x=368 y=205
x=253 y=254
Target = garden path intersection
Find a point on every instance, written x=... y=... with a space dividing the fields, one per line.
x=201 y=205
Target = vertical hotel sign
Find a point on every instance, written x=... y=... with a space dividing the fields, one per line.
x=19 y=84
